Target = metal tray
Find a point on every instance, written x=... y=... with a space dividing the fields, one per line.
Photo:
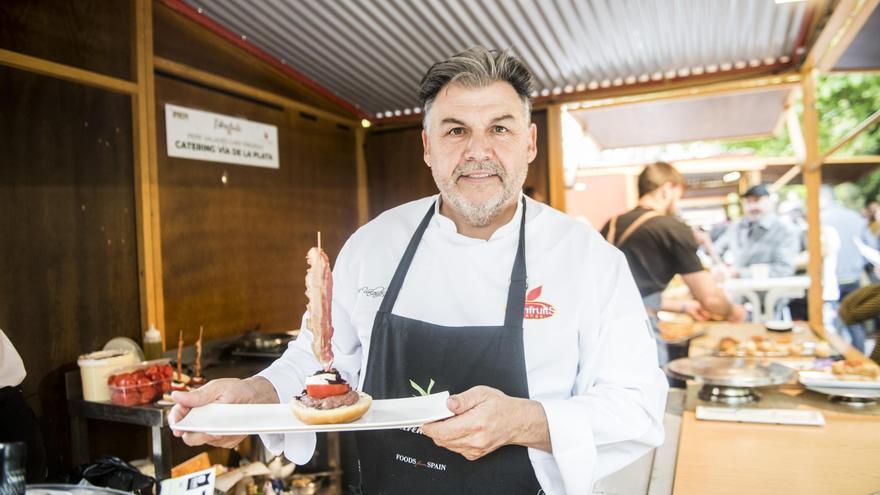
x=730 y=372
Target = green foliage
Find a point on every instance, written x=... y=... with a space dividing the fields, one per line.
x=843 y=102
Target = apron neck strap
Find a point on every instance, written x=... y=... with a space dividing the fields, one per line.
x=403 y=267
x=516 y=294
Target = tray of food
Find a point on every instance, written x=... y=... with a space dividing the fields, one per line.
x=328 y=402
x=760 y=346
x=249 y=419
x=844 y=374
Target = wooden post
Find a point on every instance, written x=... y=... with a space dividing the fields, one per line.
x=813 y=180
x=146 y=175
x=743 y=184
x=554 y=157
x=361 y=166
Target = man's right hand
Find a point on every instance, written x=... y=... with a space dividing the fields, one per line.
x=254 y=390
x=737 y=313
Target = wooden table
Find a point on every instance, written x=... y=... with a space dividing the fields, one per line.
x=842 y=457
x=702 y=346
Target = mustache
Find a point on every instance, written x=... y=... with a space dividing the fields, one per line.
x=484 y=166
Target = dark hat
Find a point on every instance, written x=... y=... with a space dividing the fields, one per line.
x=757 y=191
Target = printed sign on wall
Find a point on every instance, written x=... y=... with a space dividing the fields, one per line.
x=200 y=135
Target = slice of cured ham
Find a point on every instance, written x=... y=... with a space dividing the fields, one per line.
x=319 y=290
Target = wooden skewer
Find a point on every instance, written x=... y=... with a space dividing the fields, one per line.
x=319 y=239
x=180 y=357
x=198 y=367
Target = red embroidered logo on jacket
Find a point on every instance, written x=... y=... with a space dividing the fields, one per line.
x=537 y=310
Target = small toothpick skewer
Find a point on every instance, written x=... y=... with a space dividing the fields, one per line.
x=198 y=370
x=180 y=357
x=319 y=239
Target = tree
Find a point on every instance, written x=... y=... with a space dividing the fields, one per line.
x=843 y=102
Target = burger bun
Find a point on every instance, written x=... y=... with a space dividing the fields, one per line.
x=344 y=414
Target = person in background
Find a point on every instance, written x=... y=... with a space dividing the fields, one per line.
x=759 y=238
x=17 y=421
x=859 y=307
x=850 y=226
x=872 y=215
x=658 y=246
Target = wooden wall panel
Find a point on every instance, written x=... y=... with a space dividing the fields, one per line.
x=396 y=170
x=234 y=253
x=68 y=254
x=180 y=39
x=89 y=34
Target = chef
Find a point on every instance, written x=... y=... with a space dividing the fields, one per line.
x=528 y=317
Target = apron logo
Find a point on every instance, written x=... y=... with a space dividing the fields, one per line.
x=419 y=463
x=420 y=390
x=537 y=310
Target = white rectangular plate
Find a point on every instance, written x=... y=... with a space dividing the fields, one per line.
x=830 y=380
x=250 y=419
x=769 y=416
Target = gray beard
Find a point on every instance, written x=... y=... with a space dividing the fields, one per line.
x=481 y=215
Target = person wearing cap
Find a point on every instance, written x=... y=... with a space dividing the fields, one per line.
x=760 y=237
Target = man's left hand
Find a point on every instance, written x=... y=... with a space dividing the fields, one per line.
x=486 y=419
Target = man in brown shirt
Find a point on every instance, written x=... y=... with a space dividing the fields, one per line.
x=658 y=246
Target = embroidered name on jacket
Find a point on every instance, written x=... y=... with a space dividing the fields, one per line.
x=537 y=310
x=374 y=292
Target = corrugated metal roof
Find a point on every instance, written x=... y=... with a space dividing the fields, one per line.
x=373 y=53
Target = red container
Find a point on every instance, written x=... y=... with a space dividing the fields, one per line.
x=140 y=384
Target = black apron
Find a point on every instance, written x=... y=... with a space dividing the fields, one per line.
x=407 y=356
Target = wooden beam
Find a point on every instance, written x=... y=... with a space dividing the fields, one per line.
x=862 y=127
x=796 y=136
x=554 y=157
x=743 y=184
x=361 y=166
x=842 y=27
x=219 y=82
x=834 y=160
x=787 y=177
x=728 y=82
x=813 y=181
x=146 y=173
x=66 y=72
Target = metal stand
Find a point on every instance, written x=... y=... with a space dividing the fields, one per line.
x=852 y=401
x=149 y=416
x=728 y=395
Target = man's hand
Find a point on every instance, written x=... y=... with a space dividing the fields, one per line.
x=737 y=313
x=695 y=310
x=255 y=390
x=486 y=419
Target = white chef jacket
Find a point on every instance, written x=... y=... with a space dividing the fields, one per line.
x=592 y=364
x=12 y=371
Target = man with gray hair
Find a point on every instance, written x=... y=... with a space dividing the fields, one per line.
x=528 y=317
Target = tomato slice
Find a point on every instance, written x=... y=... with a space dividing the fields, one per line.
x=328 y=390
